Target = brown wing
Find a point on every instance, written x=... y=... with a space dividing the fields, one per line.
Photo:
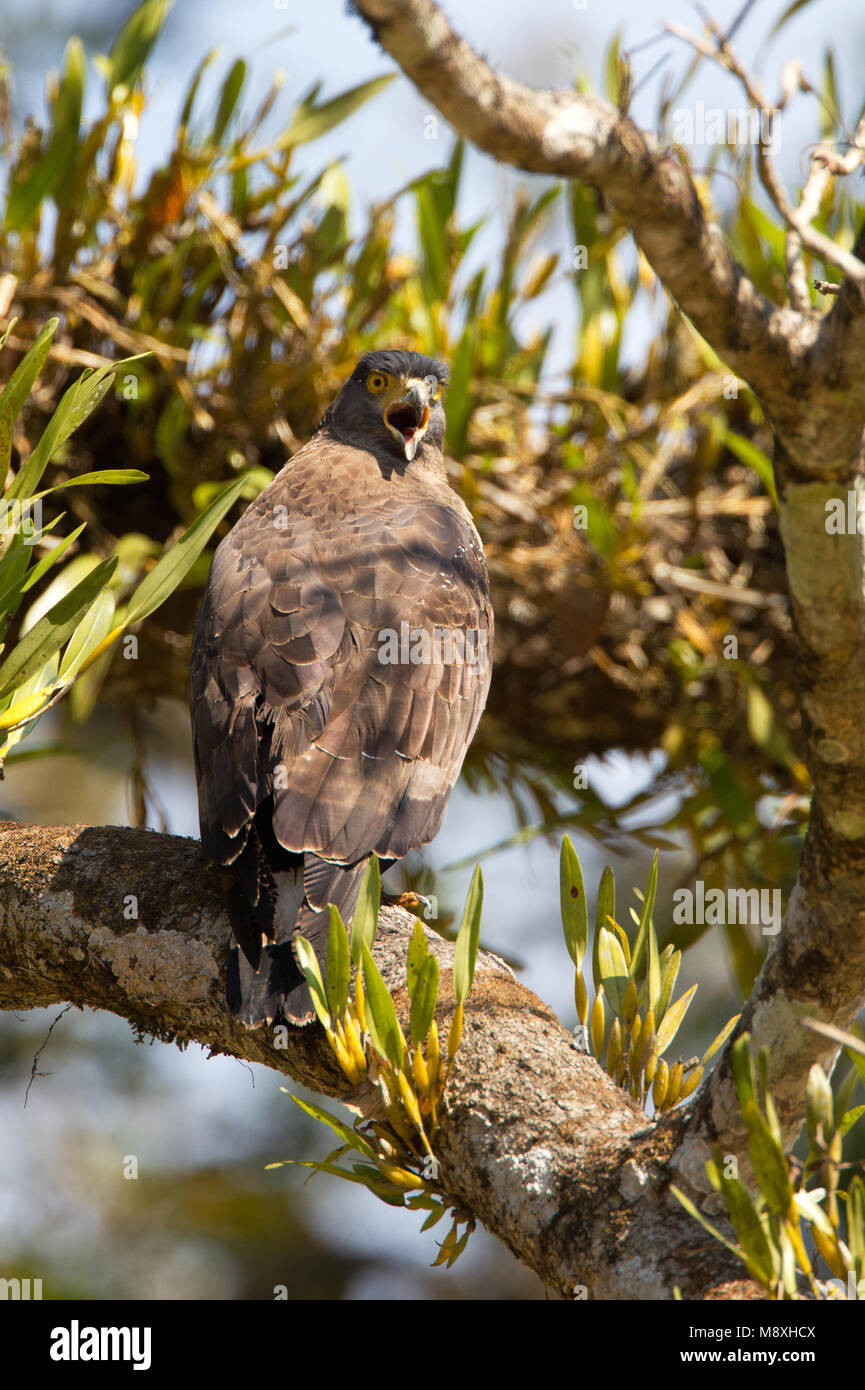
x=290 y=697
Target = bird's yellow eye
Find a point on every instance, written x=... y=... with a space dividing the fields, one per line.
x=376 y=383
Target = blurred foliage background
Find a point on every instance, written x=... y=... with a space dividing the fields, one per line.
x=642 y=694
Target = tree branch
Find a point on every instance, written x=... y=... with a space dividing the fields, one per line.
x=535 y=1139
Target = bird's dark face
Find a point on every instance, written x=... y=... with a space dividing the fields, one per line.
x=392 y=398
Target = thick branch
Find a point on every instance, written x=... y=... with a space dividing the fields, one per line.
x=535 y=1139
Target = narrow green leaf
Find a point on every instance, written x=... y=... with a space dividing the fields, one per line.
x=770 y=1162
x=174 y=564
x=749 y=1229
x=740 y=1059
x=338 y=965
x=424 y=1000
x=192 y=91
x=856 y=1223
x=113 y=477
x=49 y=560
x=671 y=959
x=93 y=628
x=788 y=14
x=228 y=99
x=131 y=48
x=312 y=121
x=645 y=918
x=381 y=1016
x=749 y=453
x=613 y=968
x=572 y=896
x=720 y=1039
x=308 y=962
x=466 y=949
x=850 y=1118
x=606 y=908
x=653 y=975
x=672 y=1021
x=76 y=403
x=18 y=388
x=418 y=951
x=51 y=631
x=692 y=1210
x=344 y=1131
x=364 y=923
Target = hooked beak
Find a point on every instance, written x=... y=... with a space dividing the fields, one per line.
x=407 y=418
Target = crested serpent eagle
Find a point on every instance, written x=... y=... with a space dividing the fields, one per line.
x=340 y=664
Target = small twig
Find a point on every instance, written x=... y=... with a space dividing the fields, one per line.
x=826 y=287
x=822 y=246
x=33 y=1072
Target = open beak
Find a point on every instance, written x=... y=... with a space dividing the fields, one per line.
x=407 y=418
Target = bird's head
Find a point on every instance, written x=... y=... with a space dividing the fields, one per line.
x=392 y=398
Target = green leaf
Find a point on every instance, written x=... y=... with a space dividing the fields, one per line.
x=645 y=918
x=228 y=99
x=308 y=962
x=856 y=1223
x=653 y=976
x=788 y=14
x=93 y=628
x=850 y=1118
x=720 y=1039
x=48 y=635
x=132 y=46
x=113 y=477
x=79 y=401
x=770 y=1162
x=748 y=1228
x=613 y=968
x=175 y=563
x=344 y=1131
x=819 y=1103
x=572 y=896
x=424 y=1000
x=749 y=453
x=18 y=388
x=672 y=1021
x=707 y=1225
x=338 y=965
x=606 y=908
x=53 y=167
x=364 y=923
x=381 y=1016
x=671 y=959
x=466 y=949
x=418 y=951
x=743 y=1072
x=311 y=121
x=50 y=560
x=13 y=568
x=192 y=91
